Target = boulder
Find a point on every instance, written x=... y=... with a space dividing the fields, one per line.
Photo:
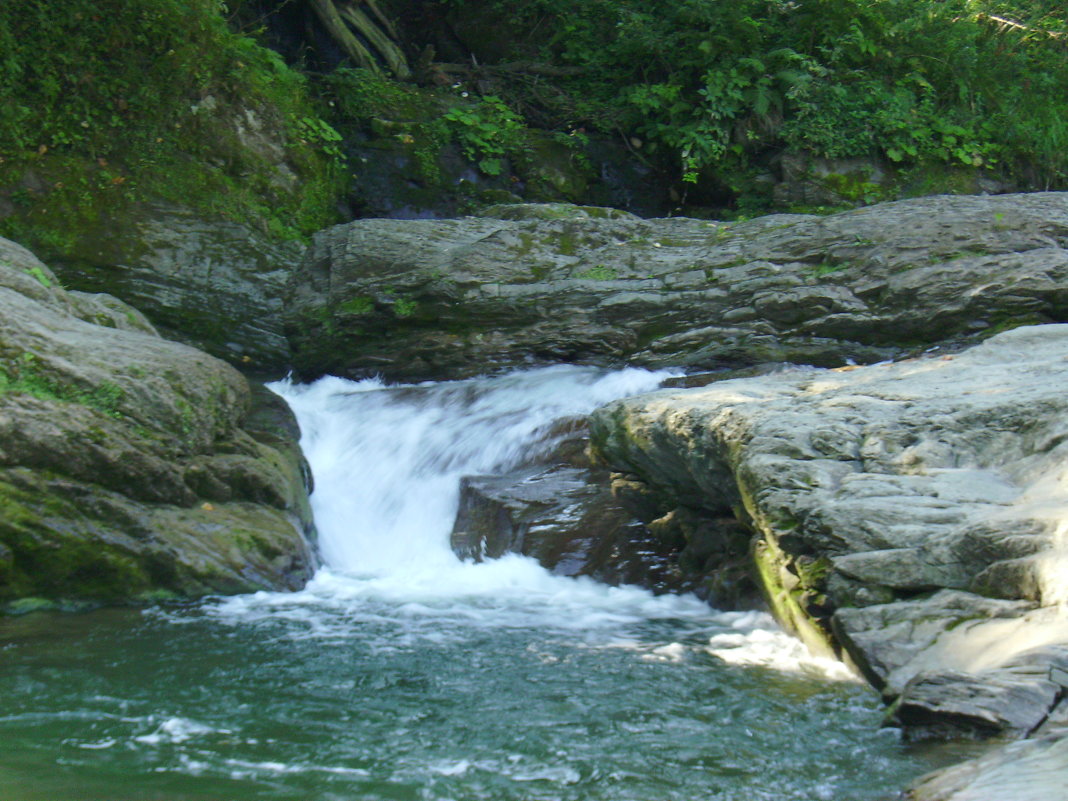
x=132 y=466
x=566 y=519
x=908 y=517
x=212 y=283
x=417 y=299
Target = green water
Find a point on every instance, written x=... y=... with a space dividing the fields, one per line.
x=409 y=702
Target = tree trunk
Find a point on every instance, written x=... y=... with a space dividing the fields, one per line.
x=344 y=23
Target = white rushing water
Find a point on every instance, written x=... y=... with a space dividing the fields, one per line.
x=387 y=463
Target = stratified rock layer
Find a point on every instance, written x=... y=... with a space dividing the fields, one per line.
x=448 y=298
x=910 y=516
x=129 y=464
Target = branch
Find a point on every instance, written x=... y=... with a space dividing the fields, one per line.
x=340 y=33
x=1019 y=26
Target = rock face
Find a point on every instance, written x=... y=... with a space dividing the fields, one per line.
x=214 y=284
x=448 y=298
x=130 y=465
x=909 y=517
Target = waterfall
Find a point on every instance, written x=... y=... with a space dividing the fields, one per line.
x=387 y=461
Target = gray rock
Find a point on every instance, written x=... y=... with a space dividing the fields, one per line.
x=909 y=516
x=434 y=298
x=1031 y=770
x=214 y=284
x=130 y=465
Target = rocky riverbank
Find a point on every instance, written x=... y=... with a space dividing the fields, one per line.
x=132 y=466
x=907 y=517
x=524 y=285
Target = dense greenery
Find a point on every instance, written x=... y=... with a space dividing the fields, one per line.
x=104 y=103
x=717 y=85
x=108 y=103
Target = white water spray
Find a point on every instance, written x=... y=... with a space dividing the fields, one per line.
x=387 y=463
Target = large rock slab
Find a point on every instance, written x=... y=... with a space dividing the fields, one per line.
x=907 y=516
x=215 y=284
x=131 y=465
x=437 y=298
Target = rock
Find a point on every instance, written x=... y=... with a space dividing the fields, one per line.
x=909 y=516
x=129 y=464
x=214 y=284
x=809 y=180
x=559 y=511
x=1031 y=770
x=565 y=519
x=448 y=298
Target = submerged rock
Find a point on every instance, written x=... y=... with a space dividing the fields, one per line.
x=448 y=298
x=908 y=517
x=129 y=464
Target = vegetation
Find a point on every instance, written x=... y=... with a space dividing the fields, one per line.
x=104 y=104
x=717 y=88
x=108 y=103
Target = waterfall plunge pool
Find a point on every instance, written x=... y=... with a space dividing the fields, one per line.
x=403 y=673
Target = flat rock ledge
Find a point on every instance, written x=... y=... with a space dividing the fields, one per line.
x=132 y=466
x=416 y=299
x=908 y=517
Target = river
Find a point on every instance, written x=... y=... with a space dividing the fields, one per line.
x=403 y=673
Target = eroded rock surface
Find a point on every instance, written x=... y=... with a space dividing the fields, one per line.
x=909 y=516
x=129 y=464
x=448 y=298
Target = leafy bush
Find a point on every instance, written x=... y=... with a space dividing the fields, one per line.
x=713 y=85
x=122 y=100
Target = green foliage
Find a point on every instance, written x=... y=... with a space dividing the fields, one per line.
x=106 y=103
x=713 y=86
x=487 y=131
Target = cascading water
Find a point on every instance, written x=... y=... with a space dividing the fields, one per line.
x=401 y=672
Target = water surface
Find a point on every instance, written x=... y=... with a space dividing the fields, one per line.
x=403 y=673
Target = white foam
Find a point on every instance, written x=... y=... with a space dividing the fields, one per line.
x=387 y=464
x=755 y=640
x=177 y=730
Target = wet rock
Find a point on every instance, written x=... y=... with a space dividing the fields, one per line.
x=129 y=464
x=566 y=519
x=1031 y=770
x=433 y=298
x=909 y=516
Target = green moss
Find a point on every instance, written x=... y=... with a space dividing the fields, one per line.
x=404 y=307
x=25 y=375
x=359 y=305
x=785 y=605
x=56 y=552
x=599 y=272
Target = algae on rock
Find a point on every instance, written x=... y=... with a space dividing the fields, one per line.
x=128 y=463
